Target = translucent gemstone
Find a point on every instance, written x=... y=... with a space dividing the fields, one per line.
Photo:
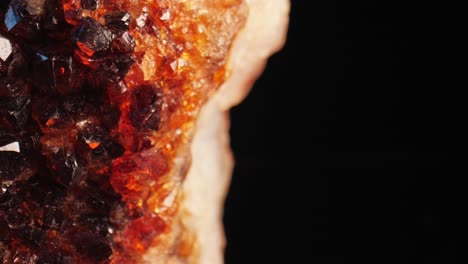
x=140 y=233
x=54 y=22
x=22 y=18
x=118 y=21
x=63 y=165
x=58 y=74
x=112 y=68
x=15 y=100
x=91 y=36
x=124 y=42
x=96 y=100
x=145 y=112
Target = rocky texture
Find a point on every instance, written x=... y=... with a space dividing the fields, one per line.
x=97 y=104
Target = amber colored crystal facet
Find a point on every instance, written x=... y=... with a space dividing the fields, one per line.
x=97 y=98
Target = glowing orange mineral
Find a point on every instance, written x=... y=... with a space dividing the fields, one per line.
x=96 y=99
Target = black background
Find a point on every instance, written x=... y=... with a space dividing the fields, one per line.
x=342 y=147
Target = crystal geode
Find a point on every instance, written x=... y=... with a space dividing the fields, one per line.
x=97 y=99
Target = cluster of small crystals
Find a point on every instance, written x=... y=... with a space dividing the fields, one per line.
x=96 y=99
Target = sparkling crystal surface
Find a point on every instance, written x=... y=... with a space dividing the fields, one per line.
x=97 y=98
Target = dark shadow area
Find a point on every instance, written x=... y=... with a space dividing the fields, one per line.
x=342 y=147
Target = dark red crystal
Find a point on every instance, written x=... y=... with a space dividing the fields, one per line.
x=56 y=139
x=96 y=99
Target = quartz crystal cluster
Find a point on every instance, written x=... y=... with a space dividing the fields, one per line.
x=97 y=104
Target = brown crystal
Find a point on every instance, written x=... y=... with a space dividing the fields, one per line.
x=97 y=98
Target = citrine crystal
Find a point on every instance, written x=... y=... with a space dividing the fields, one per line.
x=97 y=98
